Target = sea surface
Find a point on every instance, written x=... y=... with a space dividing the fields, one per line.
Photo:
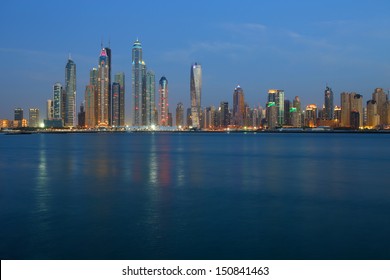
x=195 y=196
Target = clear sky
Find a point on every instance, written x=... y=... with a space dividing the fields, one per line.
x=298 y=46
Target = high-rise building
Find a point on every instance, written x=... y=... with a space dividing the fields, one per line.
x=57 y=101
x=196 y=94
x=163 y=102
x=381 y=98
x=351 y=102
x=189 y=117
x=109 y=59
x=18 y=117
x=357 y=110
x=373 y=118
x=329 y=108
x=287 y=115
x=137 y=85
x=224 y=114
x=115 y=104
x=49 y=109
x=70 y=90
x=277 y=96
x=81 y=116
x=150 y=100
x=120 y=79
x=238 y=106
x=90 y=106
x=180 y=115
x=103 y=90
x=311 y=115
x=272 y=115
x=33 y=117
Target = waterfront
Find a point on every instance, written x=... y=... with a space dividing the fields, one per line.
x=195 y=196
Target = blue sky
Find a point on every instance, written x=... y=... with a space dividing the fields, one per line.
x=298 y=46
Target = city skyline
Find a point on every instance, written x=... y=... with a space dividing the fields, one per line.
x=317 y=44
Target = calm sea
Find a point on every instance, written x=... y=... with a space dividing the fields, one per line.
x=195 y=196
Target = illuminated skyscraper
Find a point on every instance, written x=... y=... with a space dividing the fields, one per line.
x=33 y=117
x=224 y=114
x=311 y=115
x=180 y=115
x=277 y=96
x=238 y=106
x=150 y=100
x=49 y=109
x=163 y=102
x=196 y=94
x=91 y=99
x=103 y=89
x=373 y=118
x=115 y=103
x=70 y=91
x=329 y=108
x=57 y=101
x=351 y=102
x=137 y=84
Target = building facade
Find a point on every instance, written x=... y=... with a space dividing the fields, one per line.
x=195 y=94
x=70 y=93
x=163 y=102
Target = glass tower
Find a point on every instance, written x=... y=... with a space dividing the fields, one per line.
x=138 y=69
x=70 y=94
x=163 y=102
x=120 y=79
x=57 y=91
x=329 y=108
x=196 y=94
x=103 y=88
x=277 y=96
x=150 y=98
x=238 y=106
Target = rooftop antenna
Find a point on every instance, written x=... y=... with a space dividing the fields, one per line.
x=70 y=57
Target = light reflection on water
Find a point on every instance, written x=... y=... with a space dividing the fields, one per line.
x=219 y=196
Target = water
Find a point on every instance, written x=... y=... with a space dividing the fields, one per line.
x=195 y=196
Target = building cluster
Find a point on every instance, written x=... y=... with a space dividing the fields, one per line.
x=104 y=104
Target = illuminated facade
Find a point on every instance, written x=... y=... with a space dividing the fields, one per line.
x=49 y=109
x=70 y=94
x=57 y=101
x=224 y=118
x=103 y=90
x=381 y=98
x=373 y=118
x=33 y=117
x=196 y=94
x=277 y=96
x=238 y=107
x=311 y=115
x=150 y=100
x=137 y=85
x=351 y=102
x=329 y=109
x=180 y=115
x=163 y=102
x=272 y=115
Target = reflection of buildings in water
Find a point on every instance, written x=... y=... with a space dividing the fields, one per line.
x=164 y=174
x=153 y=162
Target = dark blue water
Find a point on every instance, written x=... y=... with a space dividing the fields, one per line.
x=195 y=196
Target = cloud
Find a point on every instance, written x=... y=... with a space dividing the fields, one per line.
x=243 y=27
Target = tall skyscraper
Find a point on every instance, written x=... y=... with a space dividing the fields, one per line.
x=18 y=117
x=115 y=103
x=311 y=115
x=356 y=111
x=238 y=106
x=373 y=118
x=196 y=94
x=109 y=59
x=381 y=98
x=163 y=102
x=150 y=99
x=351 y=102
x=137 y=81
x=180 y=115
x=103 y=88
x=81 y=116
x=224 y=114
x=120 y=79
x=329 y=108
x=70 y=89
x=277 y=96
x=91 y=99
x=57 y=101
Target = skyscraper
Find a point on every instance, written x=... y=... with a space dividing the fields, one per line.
x=70 y=90
x=196 y=94
x=373 y=118
x=329 y=108
x=238 y=106
x=150 y=99
x=57 y=101
x=381 y=98
x=180 y=115
x=109 y=59
x=163 y=102
x=91 y=99
x=18 y=117
x=103 y=88
x=137 y=81
x=351 y=102
x=120 y=79
x=33 y=117
x=49 y=109
x=224 y=114
x=277 y=96
x=115 y=103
